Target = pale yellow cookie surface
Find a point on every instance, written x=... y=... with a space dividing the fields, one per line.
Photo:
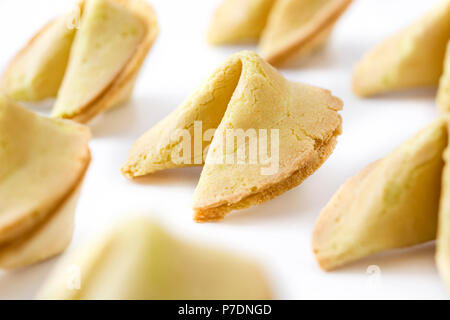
x=443 y=98
x=412 y=58
x=43 y=163
x=393 y=203
x=247 y=94
x=140 y=260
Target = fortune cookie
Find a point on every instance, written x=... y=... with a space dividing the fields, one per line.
x=90 y=65
x=287 y=29
x=393 y=203
x=37 y=70
x=412 y=58
x=43 y=162
x=139 y=260
x=268 y=134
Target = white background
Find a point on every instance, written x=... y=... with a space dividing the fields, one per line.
x=278 y=233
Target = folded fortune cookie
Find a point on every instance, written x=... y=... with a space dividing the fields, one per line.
x=393 y=203
x=249 y=103
x=43 y=165
x=139 y=260
x=288 y=29
x=411 y=58
x=89 y=65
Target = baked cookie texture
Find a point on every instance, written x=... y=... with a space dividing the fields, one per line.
x=393 y=203
x=443 y=98
x=245 y=93
x=88 y=69
x=412 y=58
x=287 y=29
x=43 y=165
x=443 y=236
x=139 y=260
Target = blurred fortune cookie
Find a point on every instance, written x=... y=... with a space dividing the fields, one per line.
x=443 y=235
x=139 y=260
x=411 y=58
x=88 y=64
x=287 y=30
x=43 y=162
x=287 y=132
x=444 y=85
